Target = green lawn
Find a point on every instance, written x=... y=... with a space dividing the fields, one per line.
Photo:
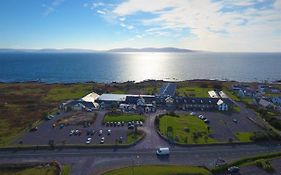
x=247 y=100
x=193 y=92
x=160 y=170
x=231 y=95
x=151 y=90
x=244 y=136
x=30 y=171
x=123 y=117
x=132 y=137
x=236 y=109
x=198 y=131
x=66 y=170
x=60 y=93
x=119 y=92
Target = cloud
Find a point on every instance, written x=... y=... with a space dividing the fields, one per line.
x=101 y=12
x=52 y=7
x=231 y=25
x=127 y=26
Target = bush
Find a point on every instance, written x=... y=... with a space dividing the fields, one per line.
x=265 y=165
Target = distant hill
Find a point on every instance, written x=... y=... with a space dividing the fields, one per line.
x=150 y=49
x=70 y=50
x=48 y=50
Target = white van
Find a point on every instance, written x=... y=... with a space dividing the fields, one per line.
x=163 y=151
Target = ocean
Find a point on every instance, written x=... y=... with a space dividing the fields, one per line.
x=121 y=67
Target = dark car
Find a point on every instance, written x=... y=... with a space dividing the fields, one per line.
x=233 y=169
x=131 y=127
x=34 y=129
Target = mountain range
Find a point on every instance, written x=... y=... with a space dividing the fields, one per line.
x=69 y=50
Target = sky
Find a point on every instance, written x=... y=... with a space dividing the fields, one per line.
x=210 y=25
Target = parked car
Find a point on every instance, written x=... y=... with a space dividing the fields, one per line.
x=235 y=120
x=192 y=113
x=122 y=123
x=111 y=123
x=34 y=129
x=102 y=140
x=109 y=132
x=118 y=123
x=88 y=141
x=141 y=123
x=61 y=126
x=120 y=139
x=131 y=127
x=206 y=121
x=233 y=169
x=100 y=132
x=71 y=132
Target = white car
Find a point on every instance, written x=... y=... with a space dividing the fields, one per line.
x=102 y=140
x=71 y=132
x=100 y=132
x=109 y=132
x=89 y=139
x=192 y=113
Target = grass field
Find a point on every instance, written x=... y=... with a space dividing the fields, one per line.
x=75 y=91
x=231 y=94
x=132 y=137
x=22 y=104
x=198 y=130
x=51 y=170
x=66 y=170
x=244 y=136
x=118 y=92
x=193 y=92
x=123 y=117
x=160 y=170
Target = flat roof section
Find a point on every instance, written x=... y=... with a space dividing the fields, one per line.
x=119 y=97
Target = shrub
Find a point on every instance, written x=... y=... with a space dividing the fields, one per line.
x=264 y=164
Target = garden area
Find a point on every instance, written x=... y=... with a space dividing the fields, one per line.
x=199 y=92
x=185 y=129
x=160 y=170
x=119 y=117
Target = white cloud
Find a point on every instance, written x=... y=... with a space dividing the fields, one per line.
x=127 y=26
x=210 y=28
x=101 y=12
x=52 y=7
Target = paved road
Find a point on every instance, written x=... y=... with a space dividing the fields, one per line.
x=89 y=161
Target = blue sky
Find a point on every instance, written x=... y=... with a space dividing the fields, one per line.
x=214 y=25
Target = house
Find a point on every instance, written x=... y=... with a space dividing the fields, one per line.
x=78 y=105
x=222 y=106
x=265 y=103
x=201 y=104
x=143 y=103
x=109 y=100
x=213 y=94
x=276 y=100
x=263 y=88
x=274 y=91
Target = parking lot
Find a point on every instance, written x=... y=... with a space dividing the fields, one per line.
x=224 y=125
x=76 y=134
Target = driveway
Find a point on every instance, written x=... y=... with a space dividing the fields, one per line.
x=152 y=140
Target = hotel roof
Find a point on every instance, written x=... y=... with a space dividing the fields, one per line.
x=118 y=97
